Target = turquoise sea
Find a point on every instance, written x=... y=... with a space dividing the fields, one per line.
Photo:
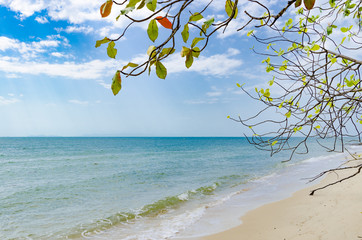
x=137 y=188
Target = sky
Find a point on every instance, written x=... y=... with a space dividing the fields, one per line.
x=54 y=82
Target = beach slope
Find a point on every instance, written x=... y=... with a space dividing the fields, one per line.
x=334 y=213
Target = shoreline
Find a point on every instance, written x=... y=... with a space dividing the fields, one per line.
x=333 y=213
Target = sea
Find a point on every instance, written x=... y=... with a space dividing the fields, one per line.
x=142 y=188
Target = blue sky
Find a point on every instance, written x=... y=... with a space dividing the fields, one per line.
x=54 y=82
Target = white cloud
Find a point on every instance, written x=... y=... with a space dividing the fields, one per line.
x=76 y=29
x=57 y=54
x=7 y=101
x=216 y=65
x=88 y=70
x=8 y=43
x=41 y=20
x=78 y=102
x=26 y=8
x=31 y=49
x=73 y=11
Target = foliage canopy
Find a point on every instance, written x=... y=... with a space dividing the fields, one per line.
x=313 y=58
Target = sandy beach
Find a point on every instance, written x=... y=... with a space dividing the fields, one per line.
x=334 y=213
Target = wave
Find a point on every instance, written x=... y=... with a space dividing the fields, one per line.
x=158 y=208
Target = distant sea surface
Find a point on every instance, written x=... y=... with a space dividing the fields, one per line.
x=137 y=188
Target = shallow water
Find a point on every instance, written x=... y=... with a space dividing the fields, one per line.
x=127 y=188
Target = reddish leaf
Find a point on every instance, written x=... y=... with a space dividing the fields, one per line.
x=164 y=22
x=309 y=4
x=106 y=8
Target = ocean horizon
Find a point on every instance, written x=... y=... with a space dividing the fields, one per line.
x=133 y=187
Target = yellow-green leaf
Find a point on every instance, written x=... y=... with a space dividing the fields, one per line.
x=151 y=5
x=283 y=68
x=100 y=42
x=288 y=114
x=166 y=51
x=315 y=47
x=152 y=30
x=161 y=70
x=196 y=52
x=111 y=51
x=189 y=60
x=185 y=33
x=273 y=143
x=195 y=41
x=195 y=17
x=185 y=51
x=116 y=83
x=132 y=3
x=229 y=7
x=251 y=32
x=130 y=64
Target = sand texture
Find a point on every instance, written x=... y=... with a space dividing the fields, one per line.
x=334 y=213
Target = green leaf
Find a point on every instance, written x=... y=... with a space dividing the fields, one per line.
x=195 y=41
x=273 y=143
x=196 y=52
x=152 y=30
x=116 y=83
x=329 y=30
x=189 y=60
x=166 y=51
x=161 y=70
x=195 y=17
x=315 y=47
x=283 y=68
x=344 y=29
x=185 y=33
x=185 y=51
x=333 y=60
x=100 y=42
x=345 y=61
x=206 y=25
x=238 y=85
x=132 y=3
x=249 y=33
x=151 y=4
x=209 y=22
x=309 y=4
x=111 y=51
x=229 y=7
x=130 y=64
x=288 y=114
x=269 y=68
